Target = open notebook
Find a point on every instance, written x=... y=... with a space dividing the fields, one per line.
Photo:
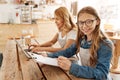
x=44 y=60
x=38 y=58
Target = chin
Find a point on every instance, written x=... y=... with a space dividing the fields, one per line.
x=86 y=33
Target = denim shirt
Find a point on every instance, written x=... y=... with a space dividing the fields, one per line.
x=101 y=69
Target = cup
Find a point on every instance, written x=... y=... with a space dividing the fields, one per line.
x=24 y=32
x=22 y=41
x=27 y=40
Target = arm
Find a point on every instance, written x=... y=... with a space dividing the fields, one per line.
x=67 y=52
x=49 y=43
x=53 y=49
x=100 y=71
x=71 y=37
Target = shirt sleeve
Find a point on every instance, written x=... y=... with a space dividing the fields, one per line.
x=72 y=35
x=100 y=71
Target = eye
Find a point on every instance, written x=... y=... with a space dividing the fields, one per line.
x=80 y=22
x=89 y=21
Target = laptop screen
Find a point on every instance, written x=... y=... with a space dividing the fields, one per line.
x=25 y=51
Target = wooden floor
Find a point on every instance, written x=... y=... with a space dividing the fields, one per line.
x=44 y=31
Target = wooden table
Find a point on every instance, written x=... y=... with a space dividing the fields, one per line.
x=115 y=66
x=16 y=66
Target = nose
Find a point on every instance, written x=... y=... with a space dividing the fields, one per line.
x=84 y=26
x=55 y=21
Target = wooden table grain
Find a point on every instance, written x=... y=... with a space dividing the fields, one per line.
x=17 y=66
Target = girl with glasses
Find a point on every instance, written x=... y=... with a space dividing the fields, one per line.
x=92 y=46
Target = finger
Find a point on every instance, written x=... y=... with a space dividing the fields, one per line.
x=30 y=46
x=60 y=64
x=61 y=58
x=33 y=49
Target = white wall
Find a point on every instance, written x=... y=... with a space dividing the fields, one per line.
x=108 y=9
x=7 y=12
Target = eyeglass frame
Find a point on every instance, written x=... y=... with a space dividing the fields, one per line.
x=85 y=22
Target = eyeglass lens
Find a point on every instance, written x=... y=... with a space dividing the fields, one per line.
x=88 y=22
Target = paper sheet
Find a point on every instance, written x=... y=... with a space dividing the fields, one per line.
x=44 y=60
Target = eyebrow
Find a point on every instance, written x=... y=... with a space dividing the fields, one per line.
x=86 y=20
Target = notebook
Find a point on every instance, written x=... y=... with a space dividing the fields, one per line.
x=44 y=60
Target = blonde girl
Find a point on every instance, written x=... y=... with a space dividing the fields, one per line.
x=66 y=35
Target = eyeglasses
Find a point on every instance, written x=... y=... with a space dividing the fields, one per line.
x=88 y=22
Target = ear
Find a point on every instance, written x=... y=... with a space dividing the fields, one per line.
x=98 y=22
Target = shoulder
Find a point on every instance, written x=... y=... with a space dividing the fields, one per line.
x=106 y=43
x=57 y=34
x=72 y=34
x=72 y=31
x=106 y=46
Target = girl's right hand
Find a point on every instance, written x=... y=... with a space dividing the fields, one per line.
x=32 y=46
x=64 y=63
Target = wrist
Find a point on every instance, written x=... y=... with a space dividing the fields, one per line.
x=38 y=45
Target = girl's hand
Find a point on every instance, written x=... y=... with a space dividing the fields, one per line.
x=64 y=63
x=36 y=49
x=32 y=46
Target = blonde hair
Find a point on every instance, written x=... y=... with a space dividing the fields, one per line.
x=97 y=36
x=64 y=14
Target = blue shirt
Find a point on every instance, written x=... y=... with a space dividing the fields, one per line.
x=101 y=69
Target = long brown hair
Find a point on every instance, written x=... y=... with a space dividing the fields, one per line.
x=64 y=14
x=97 y=36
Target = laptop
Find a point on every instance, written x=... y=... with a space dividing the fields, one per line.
x=38 y=58
x=25 y=51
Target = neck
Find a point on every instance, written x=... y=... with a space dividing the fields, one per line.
x=89 y=37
